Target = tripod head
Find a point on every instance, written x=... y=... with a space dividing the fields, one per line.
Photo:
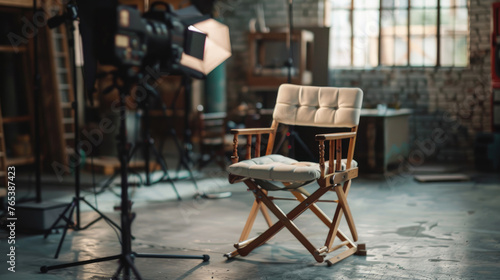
x=71 y=14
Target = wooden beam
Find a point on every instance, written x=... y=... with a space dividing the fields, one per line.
x=18 y=3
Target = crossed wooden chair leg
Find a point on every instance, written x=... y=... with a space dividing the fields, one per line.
x=307 y=201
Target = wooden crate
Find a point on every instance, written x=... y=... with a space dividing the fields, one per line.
x=108 y=165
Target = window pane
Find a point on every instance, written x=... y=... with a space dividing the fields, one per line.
x=388 y=3
x=365 y=52
x=431 y=3
x=423 y=21
x=453 y=3
x=430 y=17
x=462 y=18
x=401 y=19
x=416 y=51
x=417 y=3
x=424 y=3
x=446 y=51
x=360 y=51
x=401 y=51
x=387 y=22
x=417 y=18
x=341 y=24
x=461 y=58
x=373 y=52
x=366 y=23
x=366 y=4
x=340 y=51
x=423 y=51
x=394 y=3
x=447 y=21
x=387 y=51
x=447 y=3
x=430 y=51
x=461 y=3
x=341 y=3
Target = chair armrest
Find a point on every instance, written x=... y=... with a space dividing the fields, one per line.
x=335 y=136
x=335 y=155
x=251 y=131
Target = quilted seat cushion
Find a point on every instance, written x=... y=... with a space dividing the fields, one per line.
x=279 y=168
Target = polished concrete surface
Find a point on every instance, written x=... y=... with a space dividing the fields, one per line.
x=412 y=230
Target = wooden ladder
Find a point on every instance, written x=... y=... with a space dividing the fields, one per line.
x=64 y=82
x=3 y=161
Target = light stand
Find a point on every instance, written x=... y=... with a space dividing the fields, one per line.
x=127 y=256
x=184 y=153
x=292 y=135
x=68 y=18
x=147 y=145
x=36 y=100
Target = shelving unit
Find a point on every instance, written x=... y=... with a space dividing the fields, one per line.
x=268 y=56
x=16 y=121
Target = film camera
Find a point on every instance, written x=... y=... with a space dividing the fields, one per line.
x=173 y=41
x=159 y=36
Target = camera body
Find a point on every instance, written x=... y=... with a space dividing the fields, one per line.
x=158 y=37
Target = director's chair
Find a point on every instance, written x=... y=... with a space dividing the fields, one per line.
x=303 y=106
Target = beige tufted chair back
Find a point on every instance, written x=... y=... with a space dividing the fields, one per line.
x=318 y=106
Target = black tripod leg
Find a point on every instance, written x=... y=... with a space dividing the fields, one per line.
x=118 y=271
x=45 y=269
x=102 y=216
x=163 y=165
x=130 y=265
x=64 y=233
x=280 y=144
x=205 y=258
x=58 y=219
x=91 y=223
x=126 y=264
x=108 y=182
x=183 y=161
x=291 y=141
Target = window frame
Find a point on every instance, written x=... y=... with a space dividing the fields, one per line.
x=351 y=10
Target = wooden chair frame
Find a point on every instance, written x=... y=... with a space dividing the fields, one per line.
x=333 y=178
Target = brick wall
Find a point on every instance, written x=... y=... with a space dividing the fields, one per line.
x=452 y=102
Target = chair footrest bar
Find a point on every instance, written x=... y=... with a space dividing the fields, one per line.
x=231 y=254
x=321 y=251
x=242 y=244
x=339 y=246
x=341 y=256
x=294 y=199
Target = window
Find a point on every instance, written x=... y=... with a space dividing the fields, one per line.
x=370 y=33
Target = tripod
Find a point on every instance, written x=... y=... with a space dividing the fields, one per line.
x=68 y=18
x=292 y=135
x=127 y=256
x=184 y=153
x=147 y=145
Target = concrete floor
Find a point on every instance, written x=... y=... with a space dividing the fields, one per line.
x=412 y=231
